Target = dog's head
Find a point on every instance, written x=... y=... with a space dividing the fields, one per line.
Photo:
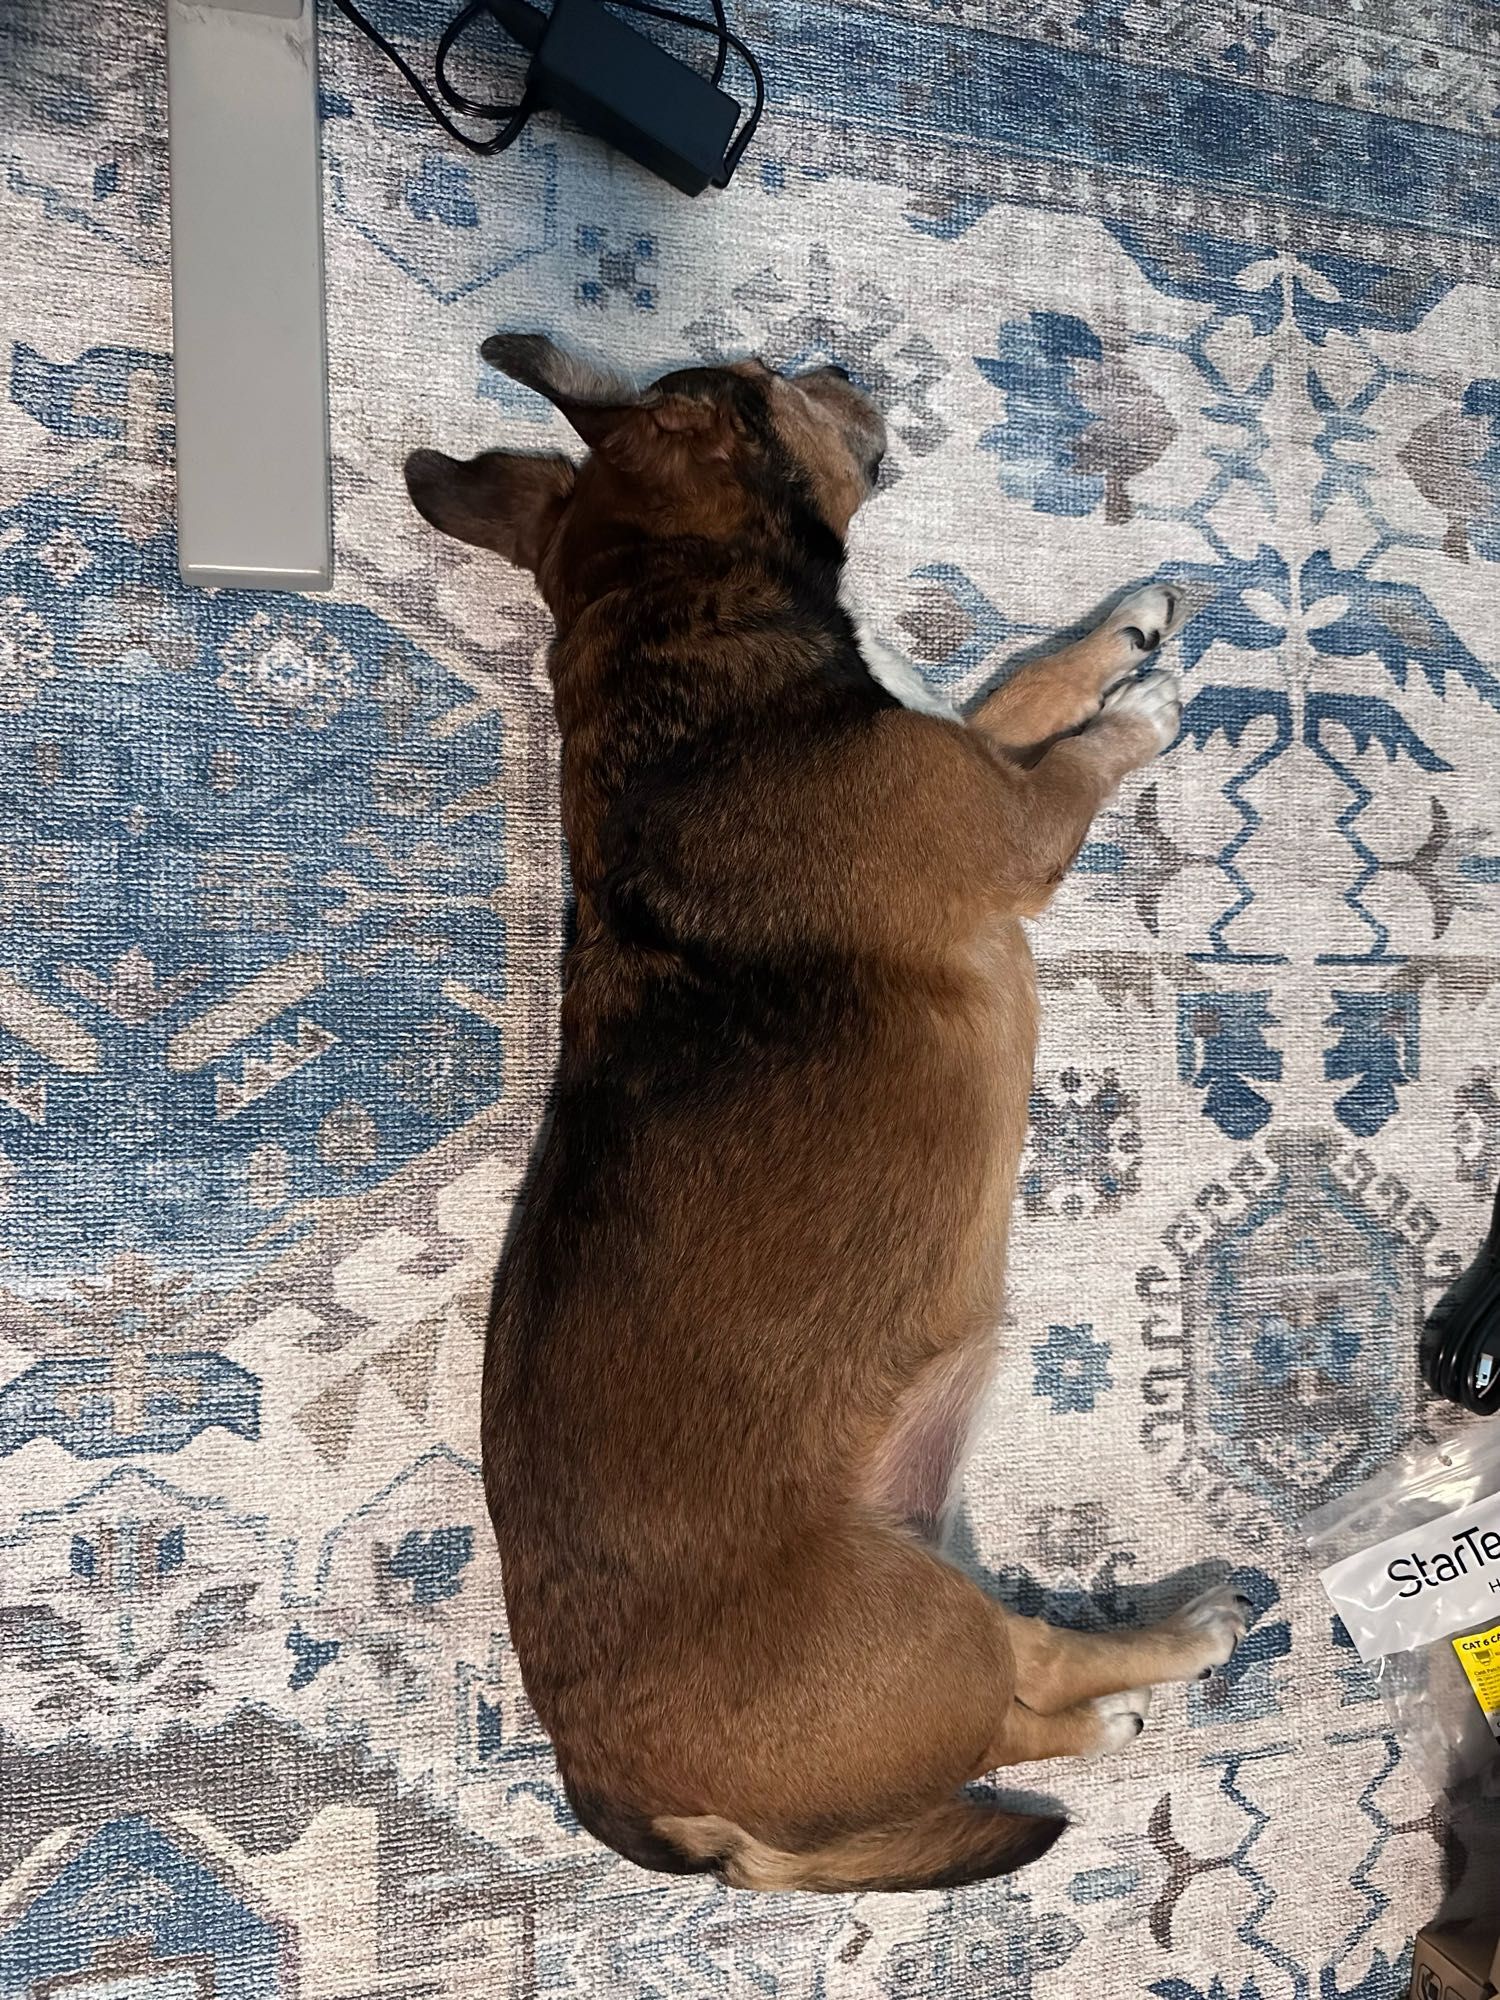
x=704 y=451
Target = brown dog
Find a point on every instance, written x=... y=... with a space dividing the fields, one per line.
x=746 y=1314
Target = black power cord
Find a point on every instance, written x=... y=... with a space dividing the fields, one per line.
x=1461 y=1340
x=606 y=77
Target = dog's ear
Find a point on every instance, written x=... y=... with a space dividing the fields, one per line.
x=509 y=501
x=612 y=417
x=595 y=402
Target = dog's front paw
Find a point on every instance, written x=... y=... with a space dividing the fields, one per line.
x=1211 y=1627
x=1145 y=619
x=1121 y=1718
x=1154 y=700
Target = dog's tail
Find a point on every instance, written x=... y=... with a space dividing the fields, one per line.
x=962 y=1840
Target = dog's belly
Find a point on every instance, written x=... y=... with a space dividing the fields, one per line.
x=915 y=1470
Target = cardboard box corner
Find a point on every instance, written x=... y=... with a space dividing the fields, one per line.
x=1457 y=1962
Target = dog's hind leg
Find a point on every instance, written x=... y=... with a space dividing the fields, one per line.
x=1087 y=1729
x=1057 y=1669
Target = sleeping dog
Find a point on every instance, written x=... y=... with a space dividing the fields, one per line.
x=745 y=1318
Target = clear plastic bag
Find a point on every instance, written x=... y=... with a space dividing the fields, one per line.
x=1437 y=1715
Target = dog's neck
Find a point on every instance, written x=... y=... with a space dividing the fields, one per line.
x=742 y=534
x=687 y=651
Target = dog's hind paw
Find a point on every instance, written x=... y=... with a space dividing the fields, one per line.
x=1121 y=1719
x=1212 y=1626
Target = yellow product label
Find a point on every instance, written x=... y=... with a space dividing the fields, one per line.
x=1479 y=1656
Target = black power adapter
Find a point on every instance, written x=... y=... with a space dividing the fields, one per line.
x=626 y=90
x=608 y=79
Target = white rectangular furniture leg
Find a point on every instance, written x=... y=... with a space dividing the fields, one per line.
x=250 y=350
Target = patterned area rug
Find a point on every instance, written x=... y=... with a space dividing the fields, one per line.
x=1206 y=291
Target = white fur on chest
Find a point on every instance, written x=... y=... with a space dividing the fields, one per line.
x=891 y=669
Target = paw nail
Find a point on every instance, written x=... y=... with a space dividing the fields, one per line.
x=1245 y=1603
x=1207 y=1674
x=1140 y=1723
x=1136 y=637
